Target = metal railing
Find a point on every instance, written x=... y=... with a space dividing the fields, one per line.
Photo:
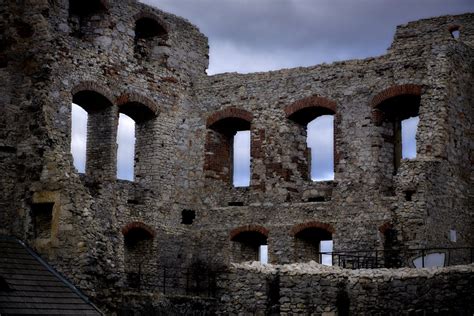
x=397 y=258
x=175 y=281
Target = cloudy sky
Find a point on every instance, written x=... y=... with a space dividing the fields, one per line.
x=261 y=35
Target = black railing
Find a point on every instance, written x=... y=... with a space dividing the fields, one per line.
x=397 y=258
x=176 y=281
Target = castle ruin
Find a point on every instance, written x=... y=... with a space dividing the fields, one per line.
x=174 y=240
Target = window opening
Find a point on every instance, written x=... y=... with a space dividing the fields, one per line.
x=326 y=248
x=455 y=32
x=79 y=137
x=263 y=254
x=399 y=126
x=148 y=33
x=320 y=141
x=241 y=159
x=126 y=147
x=80 y=13
x=452 y=235
x=409 y=129
x=187 y=217
x=311 y=243
x=247 y=246
x=42 y=216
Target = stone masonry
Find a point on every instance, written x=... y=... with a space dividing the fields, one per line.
x=124 y=243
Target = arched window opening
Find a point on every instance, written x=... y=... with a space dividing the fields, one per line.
x=320 y=142
x=228 y=140
x=134 y=139
x=95 y=110
x=241 y=159
x=138 y=256
x=409 y=128
x=126 y=148
x=399 y=123
x=149 y=35
x=314 y=243
x=81 y=15
x=249 y=246
x=315 y=119
x=78 y=137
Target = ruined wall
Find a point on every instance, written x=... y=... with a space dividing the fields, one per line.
x=312 y=289
x=53 y=53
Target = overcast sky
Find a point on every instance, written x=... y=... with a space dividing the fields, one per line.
x=261 y=35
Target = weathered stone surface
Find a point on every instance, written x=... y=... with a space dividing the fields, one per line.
x=53 y=53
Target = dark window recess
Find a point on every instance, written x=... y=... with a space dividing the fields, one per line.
x=187 y=217
x=42 y=215
x=134 y=202
x=83 y=9
x=235 y=204
x=409 y=195
x=4 y=287
x=318 y=199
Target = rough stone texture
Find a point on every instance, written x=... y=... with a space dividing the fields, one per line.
x=55 y=52
x=313 y=289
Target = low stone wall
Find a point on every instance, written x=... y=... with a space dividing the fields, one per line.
x=313 y=289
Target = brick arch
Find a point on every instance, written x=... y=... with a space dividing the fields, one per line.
x=313 y=224
x=229 y=113
x=152 y=16
x=385 y=227
x=95 y=87
x=139 y=226
x=406 y=89
x=130 y=103
x=248 y=228
x=305 y=110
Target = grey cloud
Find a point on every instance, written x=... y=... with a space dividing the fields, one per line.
x=301 y=32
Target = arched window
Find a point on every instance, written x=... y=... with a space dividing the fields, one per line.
x=81 y=15
x=138 y=253
x=314 y=116
x=125 y=147
x=249 y=243
x=313 y=241
x=100 y=138
x=135 y=137
x=78 y=137
x=223 y=160
x=396 y=111
x=149 y=36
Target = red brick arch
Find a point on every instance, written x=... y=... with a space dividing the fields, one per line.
x=248 y=228
x=228 y=113
x=95 y=87
x=313 y=224
x=406 y=89
x=310 y=102
x=152 y=16
x=132 y=100
x=386 y=226
x=138 y=225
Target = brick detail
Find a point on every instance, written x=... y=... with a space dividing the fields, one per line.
x=138 y=225
x=231 y=112
x=134 y=98
x=96 y=87
x=150 y=15
x=313 y=224
x=248 y=228
x=310 y=102
x=406 y=89
x=383 y=228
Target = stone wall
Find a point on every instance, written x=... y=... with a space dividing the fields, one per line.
x=53 y=53
x=312 y=289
